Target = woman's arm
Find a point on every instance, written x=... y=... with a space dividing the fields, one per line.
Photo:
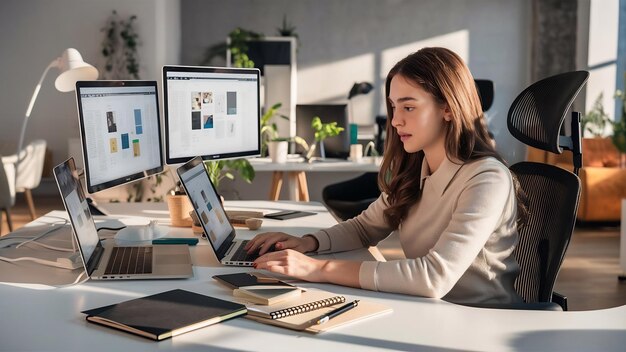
x=367 y=229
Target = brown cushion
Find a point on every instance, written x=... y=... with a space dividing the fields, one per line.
x=600 y=152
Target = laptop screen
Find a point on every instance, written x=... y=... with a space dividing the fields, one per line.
x=77 y=207
x=205 y=201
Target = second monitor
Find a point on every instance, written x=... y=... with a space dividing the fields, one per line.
x=335 y=147
x=211 y=112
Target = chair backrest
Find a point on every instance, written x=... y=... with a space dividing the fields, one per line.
x=486 y=90
x=536 y=118
x=7 y=193
x=30 y=167
x=552 y=195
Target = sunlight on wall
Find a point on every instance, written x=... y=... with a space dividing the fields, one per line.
x=456 y=41
x=330 y=82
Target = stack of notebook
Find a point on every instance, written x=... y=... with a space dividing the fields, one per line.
x=303 y=313
x=300 y=312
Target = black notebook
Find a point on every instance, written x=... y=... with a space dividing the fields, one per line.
x=166 y=314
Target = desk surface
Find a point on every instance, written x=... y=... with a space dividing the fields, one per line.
x=328 y=165
x=50 y=319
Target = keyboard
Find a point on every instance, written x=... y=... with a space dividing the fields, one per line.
x=129 y=260
x=242 y=256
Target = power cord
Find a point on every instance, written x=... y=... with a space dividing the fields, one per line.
x=72 y=262
x=78 y=281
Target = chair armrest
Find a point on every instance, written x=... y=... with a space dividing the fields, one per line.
x=560 y=299
x=9 y=159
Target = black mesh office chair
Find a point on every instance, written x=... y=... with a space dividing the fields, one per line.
x=349 y=198
x=536 y=118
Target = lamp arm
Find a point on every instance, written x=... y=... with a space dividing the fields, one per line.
x=54 y=63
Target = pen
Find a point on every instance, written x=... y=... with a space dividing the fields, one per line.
x=346 y=307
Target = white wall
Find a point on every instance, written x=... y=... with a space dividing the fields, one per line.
x=37 y=31
x=355 y=40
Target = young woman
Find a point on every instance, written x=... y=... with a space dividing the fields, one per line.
x=445 y=190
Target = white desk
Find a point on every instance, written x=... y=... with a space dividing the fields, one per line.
x=296 y=170
x=51 y=320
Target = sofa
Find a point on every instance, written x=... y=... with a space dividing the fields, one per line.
x=603 y=178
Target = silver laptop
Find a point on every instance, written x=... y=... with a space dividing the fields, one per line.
x=208 y=208
x=112 y=262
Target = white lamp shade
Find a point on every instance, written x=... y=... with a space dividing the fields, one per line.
x=73 y=69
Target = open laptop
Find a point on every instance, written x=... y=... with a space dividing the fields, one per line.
x=208 y=208
x=112 y=262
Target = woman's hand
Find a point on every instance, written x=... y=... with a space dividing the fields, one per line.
x=292 y=263
x=279 y=240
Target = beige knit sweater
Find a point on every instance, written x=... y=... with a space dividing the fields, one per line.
x=458 y=239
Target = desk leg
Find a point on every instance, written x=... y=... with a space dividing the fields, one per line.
x=277 y=183
x=303 y=189
x=292 y=185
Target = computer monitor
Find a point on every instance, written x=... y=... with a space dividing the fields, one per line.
x=269 y=51
x=120 y=131
x=213 y=112
x=335 y=147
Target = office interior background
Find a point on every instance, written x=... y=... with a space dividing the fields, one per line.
x=511 y=42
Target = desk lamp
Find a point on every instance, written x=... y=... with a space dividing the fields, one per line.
x=72 y=68
x=358 y=88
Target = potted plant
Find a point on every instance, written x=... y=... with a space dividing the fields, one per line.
x=269 y=130
x=237 y=44
x=323 y=131
x=220 y=169
x=619 y=128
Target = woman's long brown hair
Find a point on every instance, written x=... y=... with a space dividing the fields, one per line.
x=444 y=75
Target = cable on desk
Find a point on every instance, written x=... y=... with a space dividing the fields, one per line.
x=112 y=228
x=54 y=228
x=78 y=281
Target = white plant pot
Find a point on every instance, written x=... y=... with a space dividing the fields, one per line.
x=278 y=151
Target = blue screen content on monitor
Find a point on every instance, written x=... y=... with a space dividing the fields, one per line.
x=211 y=112
x=120 y=131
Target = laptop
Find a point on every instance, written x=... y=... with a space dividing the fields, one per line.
x=211 y=214
x=111 y=262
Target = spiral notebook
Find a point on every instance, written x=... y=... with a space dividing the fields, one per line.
x=308 y=300
x=300 y=313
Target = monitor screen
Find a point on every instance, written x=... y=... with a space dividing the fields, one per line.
x=269 y=51
x=211 y=112
x=335 y=147
x=120 y=132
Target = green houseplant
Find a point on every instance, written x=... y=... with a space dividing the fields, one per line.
x=119 y=48
x=596 y=120
x=323 y=131
x=238 y=48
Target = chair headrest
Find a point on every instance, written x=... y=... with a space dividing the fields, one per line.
x=537 y=114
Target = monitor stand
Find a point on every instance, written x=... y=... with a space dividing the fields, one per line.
x=139 y=233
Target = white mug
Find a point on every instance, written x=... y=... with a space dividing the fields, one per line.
x=356 y=152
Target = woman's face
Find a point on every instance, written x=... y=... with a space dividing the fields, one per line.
x=417 y=117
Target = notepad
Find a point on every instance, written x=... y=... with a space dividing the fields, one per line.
x=302 y=317
x=309 y=300
x=166 y=314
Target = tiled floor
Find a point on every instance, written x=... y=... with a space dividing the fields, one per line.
x=588 y=276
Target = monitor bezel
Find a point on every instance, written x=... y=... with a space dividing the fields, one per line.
x=208 y=69
x=93 y=188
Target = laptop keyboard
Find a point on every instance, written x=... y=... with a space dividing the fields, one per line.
x=241 y=255
x=130 y=260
